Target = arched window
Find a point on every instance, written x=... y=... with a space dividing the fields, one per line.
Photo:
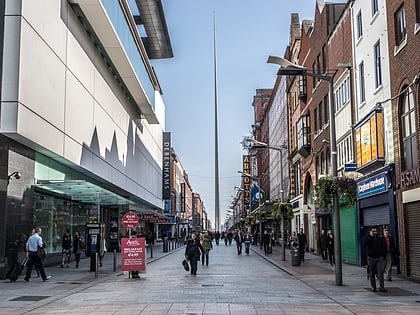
x=408 y=129
x=322 y=164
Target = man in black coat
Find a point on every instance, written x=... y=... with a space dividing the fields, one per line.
x=302 y=244
x=376 y=252
x=322 y=243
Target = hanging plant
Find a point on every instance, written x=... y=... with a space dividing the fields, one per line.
x=343 y=186
x=248 y=219
x=282 y=207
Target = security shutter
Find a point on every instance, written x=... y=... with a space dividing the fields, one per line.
x=412 y=211
x=376 y=216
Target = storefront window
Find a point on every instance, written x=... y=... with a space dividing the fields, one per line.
x=54 y=215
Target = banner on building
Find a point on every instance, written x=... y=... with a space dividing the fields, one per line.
x=166 y=171
x=246 y=169
x=369 y=138
x=182 y=197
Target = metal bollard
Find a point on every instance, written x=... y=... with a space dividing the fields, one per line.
x=96 y=265
x=115 y=261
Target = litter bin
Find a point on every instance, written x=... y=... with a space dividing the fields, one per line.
x=294 y=253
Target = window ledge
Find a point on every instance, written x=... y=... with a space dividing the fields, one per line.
x=377 y=89
x=374 y=17
x=400 y=47
x=416 y=28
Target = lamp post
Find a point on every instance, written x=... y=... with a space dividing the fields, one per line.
x=249 y=142
x=289 y=68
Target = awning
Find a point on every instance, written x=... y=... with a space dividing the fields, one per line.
x=82 y=191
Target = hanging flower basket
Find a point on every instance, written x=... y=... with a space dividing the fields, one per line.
x=343 y=186
x=281 y=208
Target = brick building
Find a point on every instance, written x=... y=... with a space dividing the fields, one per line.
x=404 y=43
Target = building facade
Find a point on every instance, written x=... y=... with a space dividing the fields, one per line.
x=403 y=25
x=82 y=118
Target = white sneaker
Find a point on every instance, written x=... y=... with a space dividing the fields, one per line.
x=47 y=278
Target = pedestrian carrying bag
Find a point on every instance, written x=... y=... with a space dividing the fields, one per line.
x=185 y=264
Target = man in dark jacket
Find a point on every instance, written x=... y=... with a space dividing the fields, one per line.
x=193 y=252
x=376 y=252
x=322 y=243
x=303 y=242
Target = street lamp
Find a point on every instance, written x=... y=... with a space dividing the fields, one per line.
x=288 y=68
x=252 y=143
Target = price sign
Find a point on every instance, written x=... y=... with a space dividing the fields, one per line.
x=130 y=220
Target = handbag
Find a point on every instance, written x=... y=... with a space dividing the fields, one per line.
x=185 y=264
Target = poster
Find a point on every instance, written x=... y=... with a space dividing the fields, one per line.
x=133 y=254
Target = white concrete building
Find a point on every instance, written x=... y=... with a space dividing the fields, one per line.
x=371 y=65
x=82 y=117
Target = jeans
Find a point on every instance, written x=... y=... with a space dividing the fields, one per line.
x=376 y=266
x=206 y=257
x=247 y=245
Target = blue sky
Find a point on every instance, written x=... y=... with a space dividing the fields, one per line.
x=247 y=32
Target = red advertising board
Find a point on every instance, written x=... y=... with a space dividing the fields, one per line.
x=130 y=220
x=133 y=254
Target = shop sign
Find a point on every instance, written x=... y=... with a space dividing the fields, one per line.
x=410 y=177
x=372 y=186
x=133 y=254
x=246 y=168
x=166 y=170
x=130 y=220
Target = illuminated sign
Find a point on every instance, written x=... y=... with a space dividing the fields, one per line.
x=246 y=167
x=369 y=140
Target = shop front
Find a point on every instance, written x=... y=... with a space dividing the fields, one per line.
x=376 y=205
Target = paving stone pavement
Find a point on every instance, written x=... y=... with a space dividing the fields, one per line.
x=231 y=284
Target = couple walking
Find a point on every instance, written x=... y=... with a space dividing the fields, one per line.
x=195 y=247
x=240 y=239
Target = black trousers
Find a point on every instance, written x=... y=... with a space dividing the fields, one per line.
x=34 y=260
x=193 y=265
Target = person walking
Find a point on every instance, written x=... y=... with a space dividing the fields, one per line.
x=102 y=249
x=192 y=252
x=302 y=244
x=322 y=243
x=266 y=241
x=205 y=240
x=390 y=250
x=330 y=247
x=376 y=253
x=256 y=237
x=78 y=247
x=273 y=238
x=217 y=237
x=247 y=241
x=34 y=242
x=239 y=240
x=66 y=248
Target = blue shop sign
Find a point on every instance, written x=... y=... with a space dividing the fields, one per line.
x=372 y=186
